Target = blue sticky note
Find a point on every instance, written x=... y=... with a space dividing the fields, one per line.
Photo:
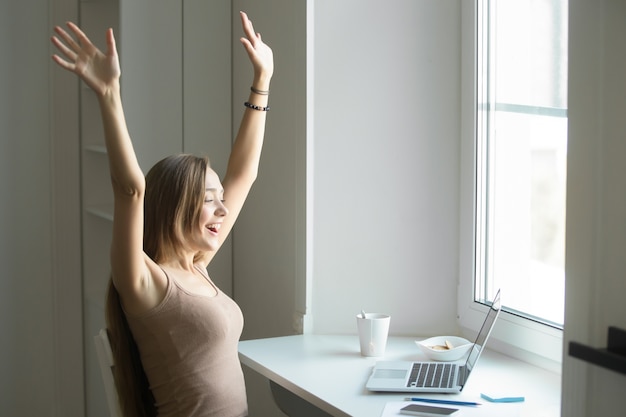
x=502 y=398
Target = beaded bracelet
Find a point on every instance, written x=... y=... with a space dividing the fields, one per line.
x=260 y=92
x=255 y=107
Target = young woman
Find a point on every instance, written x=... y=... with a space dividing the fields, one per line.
x=173 y=332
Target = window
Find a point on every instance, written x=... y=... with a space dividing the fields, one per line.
x=521 y=154
x=514 y=166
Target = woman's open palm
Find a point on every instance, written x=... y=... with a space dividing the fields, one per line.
x=99 y=70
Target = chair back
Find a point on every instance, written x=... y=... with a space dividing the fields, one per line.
x=105 y=359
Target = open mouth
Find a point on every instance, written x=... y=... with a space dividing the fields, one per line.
x=214 y=227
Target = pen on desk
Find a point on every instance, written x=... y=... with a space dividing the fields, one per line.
x=434 y=401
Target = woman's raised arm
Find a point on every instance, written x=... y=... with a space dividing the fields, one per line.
x=243 y=163
x=101 y=72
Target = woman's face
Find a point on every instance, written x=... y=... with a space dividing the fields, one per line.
x=206 y=236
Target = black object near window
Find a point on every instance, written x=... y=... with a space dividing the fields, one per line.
x=612 y=357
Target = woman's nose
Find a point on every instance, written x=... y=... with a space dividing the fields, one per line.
x=221 y=209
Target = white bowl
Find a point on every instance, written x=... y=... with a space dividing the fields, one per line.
x=460 y=347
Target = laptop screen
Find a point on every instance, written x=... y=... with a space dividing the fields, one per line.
x=483 y=334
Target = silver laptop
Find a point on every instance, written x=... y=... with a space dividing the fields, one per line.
x=449 y=377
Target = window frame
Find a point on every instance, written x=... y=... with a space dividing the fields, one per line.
x=520 y=337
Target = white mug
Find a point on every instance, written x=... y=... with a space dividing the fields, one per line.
x=373 y=331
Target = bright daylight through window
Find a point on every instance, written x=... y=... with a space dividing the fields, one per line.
x=521 y=156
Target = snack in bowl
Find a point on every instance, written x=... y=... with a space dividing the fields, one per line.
x=445 y=348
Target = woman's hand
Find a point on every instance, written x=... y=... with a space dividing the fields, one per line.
x=100 y=71
x=260 y=54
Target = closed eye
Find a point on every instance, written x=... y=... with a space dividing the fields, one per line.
x=214 y=192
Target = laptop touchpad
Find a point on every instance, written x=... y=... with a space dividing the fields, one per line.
x=390 y=373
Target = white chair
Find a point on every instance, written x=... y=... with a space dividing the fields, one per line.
x=105 y=359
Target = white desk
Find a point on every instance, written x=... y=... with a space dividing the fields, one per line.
x=330 y=373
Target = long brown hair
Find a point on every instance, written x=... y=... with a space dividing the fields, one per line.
x=172 y=206
x=173 y=202
x=133 y=391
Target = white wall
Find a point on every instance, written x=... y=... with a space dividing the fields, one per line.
x=386 y=163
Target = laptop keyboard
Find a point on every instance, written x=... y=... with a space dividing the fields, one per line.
x=431 y=375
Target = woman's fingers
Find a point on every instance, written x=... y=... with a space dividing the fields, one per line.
x=260 y=54
x=69 y=46
x=68 y=42
x=63 y=63
x=83 y=40
x=251 y=39
x=69 y=54
x=248 y=29
x=111 y=47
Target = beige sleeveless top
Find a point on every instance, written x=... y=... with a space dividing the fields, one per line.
x=188 y=348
